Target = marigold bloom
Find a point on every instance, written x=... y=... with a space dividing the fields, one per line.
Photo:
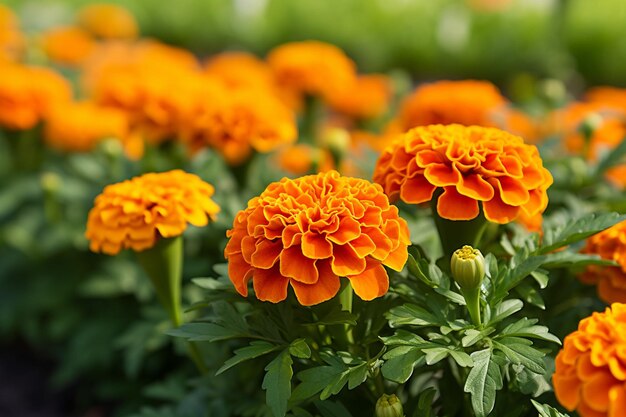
x=590 y=374
x=445 y=102
x=610 y=244
x=236 y=122
x=78 y=127
x=134 y=213
x=311 y=231
x=300 y=159
x=368 y=97
x=67 y=45
x=611 y=96
x=108 y=21
x=28 y=93
x=312 y=67
x=469 y=164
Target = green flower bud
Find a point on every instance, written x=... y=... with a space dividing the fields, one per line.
x=468 y=267
x=590 y=124
x=389 y=406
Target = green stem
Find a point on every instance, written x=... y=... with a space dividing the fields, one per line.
x=345 y=300
x=472 y=299
x=313 y=110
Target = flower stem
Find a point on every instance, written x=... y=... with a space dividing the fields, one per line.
x=472 y=299
x=345 y=301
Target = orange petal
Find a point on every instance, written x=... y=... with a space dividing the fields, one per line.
x=383 y=243
x=346 y=262
x=363 y=245
x=498 y=212
x=294 y=264
x=416 y=190
x=442 y=175
x=397 y=258
x=595 y=392
x=266 y=254
x=324 y=289
x=269 y=285
x=315 y=246
x=239 y=272
x=454 y=206
x=512 y=191
x=474 y=186
x=617 y=396
x=373 y=282
x=348 y=230
x=584 y=368
x=566 y=389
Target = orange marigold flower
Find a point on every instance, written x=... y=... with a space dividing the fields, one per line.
x=444 y=102
x=67 y=45
x=28 y=93
x=610 y=244
x=311 y=231
x=312 y=67
x=611 y=96
x=134 y=213
x=240 y=70
x=78 y=127
x=300 y=159
x=11 y=38
x=590 y=374
x=236 y=122
x=366 y=98
x=108 y=21
x=469 y=164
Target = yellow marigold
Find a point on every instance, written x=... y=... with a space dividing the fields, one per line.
x=311 y=231
x=134 y=213
x=366 y=98
x=28 y=93
x=236 y=122
x=108 y=21
x=312 y=67
x=67 y=45
x=610 y=244
x=590 y=374
x=469 y=164
x=78 y=127
x=444 y=102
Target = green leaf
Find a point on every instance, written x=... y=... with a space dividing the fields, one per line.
x=472 y=336
x=576 y=230
x=451 y=295
x=434 y=355
x=300 y=349
x=614 y=157
x=461 y=358
x=546 y=410
x=332 y=409
x=254 y=350
x=530 y=294
x=571 y=259
x=411 y=314
x=336 y=316
x=520 y=352
x=400 y=363
x=204 y=332
x=425 y=403
x=277 y=383
x=404 y=338
x=527 y=328
x=484 y=379
x=505 y=309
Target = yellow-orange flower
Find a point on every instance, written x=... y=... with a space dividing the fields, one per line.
x=312 y=67
x=300 y=159
x=610 y=244
x=611 y=96
x=366 y=98
x=236 y=122
x=108 y=21
x=468 y=164
x=78 y=127
x=67 y=45
x=445 y=102
x=28 y=93
x=134 y=213
x=590 y=374
x=11 y=38
x=240 y=70
x=311 y=231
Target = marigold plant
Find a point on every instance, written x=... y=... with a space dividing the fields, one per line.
x=309 y=232
x=135 y=213
x=590 y=369
x=468 y=166
x=611 y=280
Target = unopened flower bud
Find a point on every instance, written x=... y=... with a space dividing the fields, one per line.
x=389 y=406
x=590 y=124
x=468 y=267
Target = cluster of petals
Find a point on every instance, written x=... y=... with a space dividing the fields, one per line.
x=79 y=126
x=28 y=93
x=134 y=213
x=610 y=244
x=590 y=374
x=308 y=232
x=466 y=165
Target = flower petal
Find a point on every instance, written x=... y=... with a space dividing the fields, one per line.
x=454 y=206
x=295 y=265
x=373 y=282
x=270 y=285
x=324 y=289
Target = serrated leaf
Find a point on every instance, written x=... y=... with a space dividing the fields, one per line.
x=411 y=314
x=434 y=355
x=277 y=383
x=358 y=375
x=300 y=349
x=527 y=328
x=254 y=350
x=547 y=411
x=400 y=363
x=484 y=379
x=521 y=353
x=461 y=358
x=330 y=379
